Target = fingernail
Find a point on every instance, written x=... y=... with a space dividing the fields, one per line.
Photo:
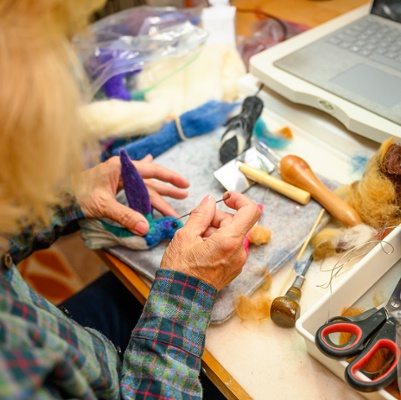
x=141 y=228
x=206 y=199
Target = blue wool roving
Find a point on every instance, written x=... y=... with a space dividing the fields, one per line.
x=198 y=121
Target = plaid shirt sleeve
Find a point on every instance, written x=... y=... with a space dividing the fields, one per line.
x=64 y=221
x=164 y=356
x=46 y=355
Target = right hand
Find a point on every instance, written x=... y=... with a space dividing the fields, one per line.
x=210 y=245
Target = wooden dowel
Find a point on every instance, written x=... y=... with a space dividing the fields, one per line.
x=301 y=252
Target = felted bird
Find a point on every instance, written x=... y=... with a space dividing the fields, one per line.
x=237 y=137
x=100 y=233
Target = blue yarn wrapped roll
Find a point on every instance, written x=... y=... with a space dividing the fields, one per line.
x=198 y=121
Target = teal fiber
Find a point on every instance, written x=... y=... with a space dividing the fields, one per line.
x=277 y=142
x=260 y=128
x=358 y=163
x=120 y=232
x=262 y=133
x=139 y=95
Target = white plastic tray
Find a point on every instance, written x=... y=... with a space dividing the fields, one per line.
x=350 y=290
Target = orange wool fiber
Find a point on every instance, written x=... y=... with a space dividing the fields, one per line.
x=259 y=235
x=376 y=197
x=322 y=244
x=285 y=132
x=332 y=241
x=254 y=308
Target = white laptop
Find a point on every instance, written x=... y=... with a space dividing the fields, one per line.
x=349 y=67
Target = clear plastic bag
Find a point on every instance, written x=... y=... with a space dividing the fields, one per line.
x=125 y=44
x=265 y=34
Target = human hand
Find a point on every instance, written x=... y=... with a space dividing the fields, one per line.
x=210 y=245
x=98 y=186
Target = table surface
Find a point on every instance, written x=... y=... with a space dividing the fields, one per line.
x=260 y=360
x=306 y=12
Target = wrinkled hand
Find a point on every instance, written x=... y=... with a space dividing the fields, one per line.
x=210 y=245
x=98 y=186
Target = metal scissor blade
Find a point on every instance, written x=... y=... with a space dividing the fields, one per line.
x=393 y=305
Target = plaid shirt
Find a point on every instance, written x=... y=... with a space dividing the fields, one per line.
x=46 y=355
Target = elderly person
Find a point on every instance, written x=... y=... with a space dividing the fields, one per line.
x=44 y=353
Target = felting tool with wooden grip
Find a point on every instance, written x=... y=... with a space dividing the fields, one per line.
x=285 y=310
x=297 y=171
x=263 y=178
x=253 y=167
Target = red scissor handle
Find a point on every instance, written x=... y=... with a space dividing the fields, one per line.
x=361 y=329
x=384 y=339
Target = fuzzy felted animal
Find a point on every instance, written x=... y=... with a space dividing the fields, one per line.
x=105 y=233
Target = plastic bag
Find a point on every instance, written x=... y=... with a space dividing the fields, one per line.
x=125 y=44
x=267 y=33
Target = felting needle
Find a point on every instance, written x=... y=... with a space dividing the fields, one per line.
x=218 y=201
x=301 y=252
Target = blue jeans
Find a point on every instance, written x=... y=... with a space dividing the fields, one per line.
x=107 y=306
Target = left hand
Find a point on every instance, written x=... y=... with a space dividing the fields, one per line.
x=99 y=185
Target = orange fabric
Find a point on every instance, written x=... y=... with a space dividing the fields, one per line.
x=60 y=271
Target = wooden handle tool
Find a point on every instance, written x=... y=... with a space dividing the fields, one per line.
x=265 y=179
x=285 y=310
x=297 y=171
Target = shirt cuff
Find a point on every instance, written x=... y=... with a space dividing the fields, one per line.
x=177 y=312
x=64 y=220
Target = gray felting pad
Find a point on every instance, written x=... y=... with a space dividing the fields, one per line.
x=289 y=222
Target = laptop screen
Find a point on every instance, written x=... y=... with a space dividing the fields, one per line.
x=390 y=9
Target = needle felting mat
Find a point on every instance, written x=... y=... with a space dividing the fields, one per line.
x=288 y=221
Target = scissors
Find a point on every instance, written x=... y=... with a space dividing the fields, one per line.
x=370 y=331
